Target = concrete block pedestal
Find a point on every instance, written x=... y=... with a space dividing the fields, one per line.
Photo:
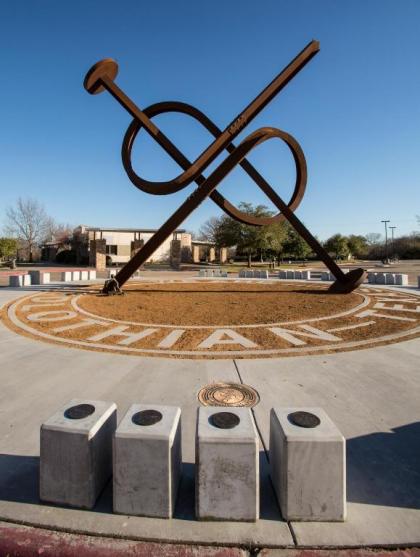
x=371 y=278
x=18 y=281
x=307 y=465
x=40 y=277
x=379 y=278
x=389 y=278
x=76 y=452
x=227 y=465
x=147 y=460
x=401 y=279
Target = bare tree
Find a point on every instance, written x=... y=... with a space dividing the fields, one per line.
x=27 y=222
x=57 y=232
x=373 y=238
x=208 y=230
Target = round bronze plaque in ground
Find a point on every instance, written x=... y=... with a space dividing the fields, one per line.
x=79 y=411
x=228 y=394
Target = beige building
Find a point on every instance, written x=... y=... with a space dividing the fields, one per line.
x=120 y=241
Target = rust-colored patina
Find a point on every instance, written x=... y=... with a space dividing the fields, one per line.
x=102 y=77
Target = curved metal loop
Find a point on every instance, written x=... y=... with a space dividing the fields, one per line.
x=164 y=188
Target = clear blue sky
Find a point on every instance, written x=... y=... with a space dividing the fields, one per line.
x=355 y=109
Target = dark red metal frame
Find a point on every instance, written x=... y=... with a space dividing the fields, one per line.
x=102 y=77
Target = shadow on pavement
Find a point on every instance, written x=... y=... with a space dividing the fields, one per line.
x=19 y=482
x=19 y=478
x=384 y=468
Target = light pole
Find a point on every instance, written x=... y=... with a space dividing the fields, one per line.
x=392 y=244
x=386 y=239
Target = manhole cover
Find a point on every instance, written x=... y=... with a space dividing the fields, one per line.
x=228 y=394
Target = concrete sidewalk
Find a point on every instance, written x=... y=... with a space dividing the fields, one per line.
x=372 y=395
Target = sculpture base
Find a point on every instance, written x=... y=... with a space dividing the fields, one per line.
x=351 y=281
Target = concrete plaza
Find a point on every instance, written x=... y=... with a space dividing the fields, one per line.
x=372 y=395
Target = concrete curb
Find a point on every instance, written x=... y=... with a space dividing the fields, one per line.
x=25 y=541
x=365 y=552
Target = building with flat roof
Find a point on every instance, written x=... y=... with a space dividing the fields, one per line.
x=122 y=242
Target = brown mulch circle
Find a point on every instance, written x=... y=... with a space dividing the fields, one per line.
x=218 y=303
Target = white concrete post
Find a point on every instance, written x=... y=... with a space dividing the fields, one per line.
x=227 y=465
x=16 y=281
x=75 y=275
x=92 y=274
x=39 y=277
x=389 y=278
x=147 y=461
x=371 y=278
x=76 y=452
x=84 y=275
x=307 y=464
x=380 y=278
x=402 y=280
x=66 y=276
x=19 y=280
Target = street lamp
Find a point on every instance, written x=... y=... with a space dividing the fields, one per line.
x=386 y=239
x=392 y=232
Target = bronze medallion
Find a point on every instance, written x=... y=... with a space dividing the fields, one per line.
x=228 y=394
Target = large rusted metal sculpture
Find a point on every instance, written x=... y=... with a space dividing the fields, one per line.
x=102 y=77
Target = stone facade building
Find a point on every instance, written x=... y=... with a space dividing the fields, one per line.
x=119 y=244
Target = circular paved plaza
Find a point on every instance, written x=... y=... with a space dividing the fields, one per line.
x=218 y=319
x=355 y=356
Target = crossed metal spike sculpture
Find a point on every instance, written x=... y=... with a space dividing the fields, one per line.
x=102 y=75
